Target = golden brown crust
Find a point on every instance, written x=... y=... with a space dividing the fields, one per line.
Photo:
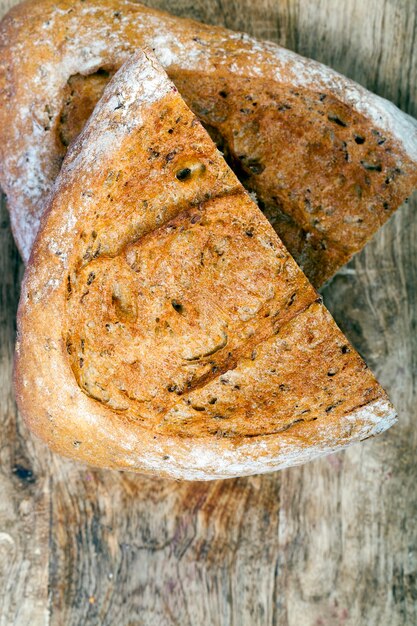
x=163 y=326
x=328 y=161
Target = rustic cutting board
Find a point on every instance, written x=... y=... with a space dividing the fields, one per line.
x=330 y=543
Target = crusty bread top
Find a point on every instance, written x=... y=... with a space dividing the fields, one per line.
x=163 y=326
x=328 y=161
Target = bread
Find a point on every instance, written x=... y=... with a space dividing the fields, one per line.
x=328 y=161
x=163 y=327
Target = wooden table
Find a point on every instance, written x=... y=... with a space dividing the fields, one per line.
x=330 y=543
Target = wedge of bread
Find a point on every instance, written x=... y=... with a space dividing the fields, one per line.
x=328 y=160
x=163 y=327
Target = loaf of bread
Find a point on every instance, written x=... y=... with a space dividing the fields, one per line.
x=163 y=327
x=328 y=161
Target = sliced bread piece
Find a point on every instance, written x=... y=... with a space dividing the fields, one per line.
x=163 y=327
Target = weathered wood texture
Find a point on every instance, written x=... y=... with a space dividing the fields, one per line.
x=330 y=543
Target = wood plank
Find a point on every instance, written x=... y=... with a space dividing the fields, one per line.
x=24 y=475
x=333 y=542
x=348 y=526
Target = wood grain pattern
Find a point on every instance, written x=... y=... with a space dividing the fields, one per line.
x=331 y=543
